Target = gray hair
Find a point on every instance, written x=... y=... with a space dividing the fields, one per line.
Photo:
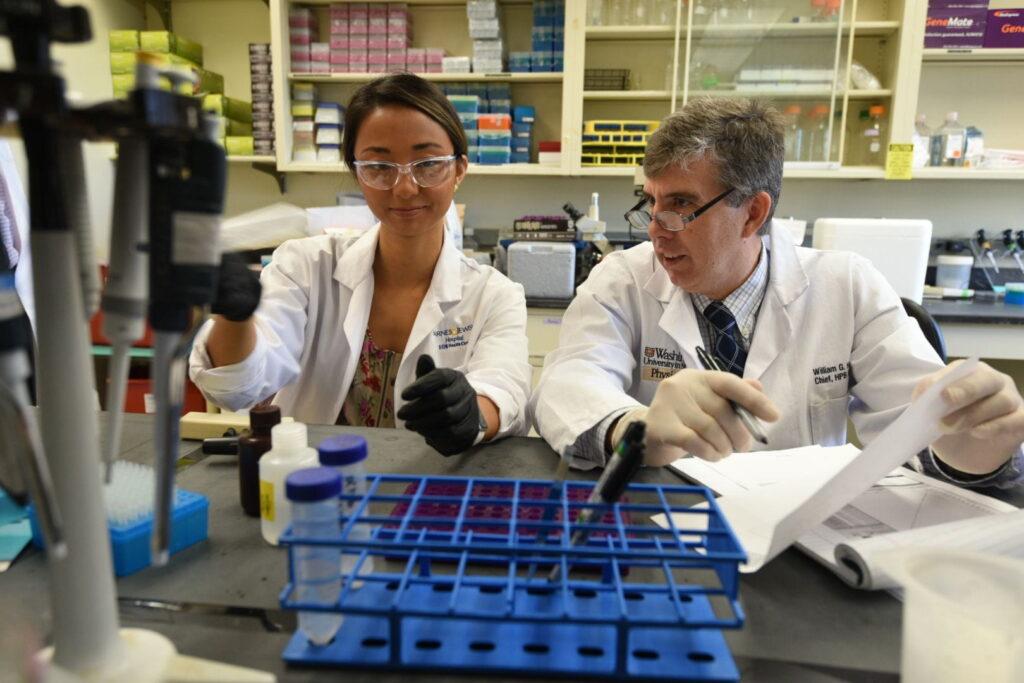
x=742 y=138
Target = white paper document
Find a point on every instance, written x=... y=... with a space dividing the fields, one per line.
x=773 y=504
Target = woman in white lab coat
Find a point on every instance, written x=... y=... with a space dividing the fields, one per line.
x=349 y=330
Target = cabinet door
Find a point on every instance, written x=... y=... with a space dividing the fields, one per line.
x=786 y=53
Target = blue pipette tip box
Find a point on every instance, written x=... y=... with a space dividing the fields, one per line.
x=130 y=543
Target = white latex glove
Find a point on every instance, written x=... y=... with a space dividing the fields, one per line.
x=984 y=425
x=690 y=413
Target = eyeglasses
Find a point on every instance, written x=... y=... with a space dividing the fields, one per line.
x=639 y=216
x=383 y=175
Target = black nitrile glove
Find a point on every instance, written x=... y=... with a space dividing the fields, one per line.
x=442 y=407
x=238 y=289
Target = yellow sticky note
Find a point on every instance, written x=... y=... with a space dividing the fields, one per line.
x=899 y=161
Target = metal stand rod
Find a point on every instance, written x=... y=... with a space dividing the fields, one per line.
x=83 y=596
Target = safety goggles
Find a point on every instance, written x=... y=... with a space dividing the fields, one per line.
x=640 y=217
x=384 y=175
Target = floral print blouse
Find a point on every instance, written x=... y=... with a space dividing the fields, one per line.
x=371 y=398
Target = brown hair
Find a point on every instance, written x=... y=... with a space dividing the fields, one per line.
x=403 y=90
x=742 y=138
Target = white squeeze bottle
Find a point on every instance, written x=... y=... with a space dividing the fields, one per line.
x=289 y=452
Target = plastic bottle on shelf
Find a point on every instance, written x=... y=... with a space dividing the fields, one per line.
x=951 y=141
x=794 y=141
x=313 y=494
x=974 y=146
x=922 y=139
x=818 y=134
x=291 y=452
x=873 y=138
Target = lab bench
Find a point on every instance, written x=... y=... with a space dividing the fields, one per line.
x=802 y=623
x=980 y=328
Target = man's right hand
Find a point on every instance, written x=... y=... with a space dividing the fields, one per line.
x=690 y=413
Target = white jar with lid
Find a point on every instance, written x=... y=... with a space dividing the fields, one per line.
x=953 y=271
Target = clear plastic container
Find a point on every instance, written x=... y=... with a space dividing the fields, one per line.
x=953 y=271
x=951 y=141
x=794 y=141
x=974 y=147
x=818 y=134
x=314 y=511
x=873 y=138
x=290 y=452
x=346 y=453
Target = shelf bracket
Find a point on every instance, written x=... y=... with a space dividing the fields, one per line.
x=271 y=170
x=163 y=8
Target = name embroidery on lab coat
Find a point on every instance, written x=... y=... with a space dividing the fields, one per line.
x=658 y=363
x=826 y=374
x=453 y=337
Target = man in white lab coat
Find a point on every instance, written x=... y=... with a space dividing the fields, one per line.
x=806 y=337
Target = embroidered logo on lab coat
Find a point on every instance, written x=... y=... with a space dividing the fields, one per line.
x=659 y=363
x=453 y=337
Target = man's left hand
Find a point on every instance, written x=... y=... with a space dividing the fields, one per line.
x=984 y=422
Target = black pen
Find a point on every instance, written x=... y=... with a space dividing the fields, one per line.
x=748 y=420
x=620 y=470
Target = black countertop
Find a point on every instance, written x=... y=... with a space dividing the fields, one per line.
x=968 y=311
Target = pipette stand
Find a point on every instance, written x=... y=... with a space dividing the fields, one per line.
x=87 y=642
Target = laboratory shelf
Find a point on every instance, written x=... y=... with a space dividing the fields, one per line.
x=630 y=95
x=775 y=30
x=789 y=171
x=969 y=173
x=980 y=54
x=474 y=169
x=463 y=581
x=499 y=77
x=252 y=158
x=819 y=94
x=134 y=351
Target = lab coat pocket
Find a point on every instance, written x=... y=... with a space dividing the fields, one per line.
x=828 y=421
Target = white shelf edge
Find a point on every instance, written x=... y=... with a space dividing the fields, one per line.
x=627 y=32
x=474 y=169
x=980 y=54
x=627 y=94
x=805 y=95
x=969 y=173
x=252 y=158
x=501 y=77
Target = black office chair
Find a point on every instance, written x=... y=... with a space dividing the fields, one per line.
x=928 y=325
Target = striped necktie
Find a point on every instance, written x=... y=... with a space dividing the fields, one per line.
x=726 y=345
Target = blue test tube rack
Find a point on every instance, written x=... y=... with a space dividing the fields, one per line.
x=461 y=596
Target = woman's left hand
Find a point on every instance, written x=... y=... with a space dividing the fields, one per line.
x=442 y=406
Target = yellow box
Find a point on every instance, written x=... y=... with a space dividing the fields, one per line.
x=165 y=41
x=241 y=145
x=302 y=109
x=123 y=41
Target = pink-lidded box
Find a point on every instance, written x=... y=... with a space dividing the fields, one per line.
x=321 y=67
x=398 y=24
x=340 y=68
x=300 y=36
x=377 y=26
x=434 y=68
x=357 y=61
x=358 y=10
x=358 y=26
x=301 y=17
x=339 y=10
x=1004 y=28
x=320 y=52
x=358 y=42
x=435 y=55
x=339 y=42
x=398 y=9
x=396 y=42
x=376 y=57
x=416 y=59
x=376 y=68
x=397 y=64
x=377 y=9
x=300 y=53
x=302 y=67
x=339 y=57
x=339 y=26
x=374 y=42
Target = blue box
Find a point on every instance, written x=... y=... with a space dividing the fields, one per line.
x=524 y=114
x=465 y=104
x=495 y=138
x=520 y=158
x=501 y=107
x=130 y=543
x=495 y=155
x=468 y=121
x=522 y=130
x=499 y=91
